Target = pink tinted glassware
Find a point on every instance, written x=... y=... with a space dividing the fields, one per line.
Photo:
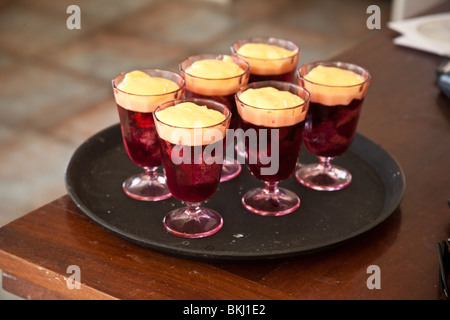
x=272 y=200
x=221 y=90
x=140 y=138
x=330 y=126
x=281 y=69
x=192 y=179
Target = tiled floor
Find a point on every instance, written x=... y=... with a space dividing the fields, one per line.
x=55 y=88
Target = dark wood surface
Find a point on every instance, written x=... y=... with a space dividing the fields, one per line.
x=404 y=112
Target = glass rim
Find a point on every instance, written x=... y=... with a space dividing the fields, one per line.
x=195 y=100
x=263 y=40
x=249 y=86
x=151 y=95
x=335 y=64
x=215 y=56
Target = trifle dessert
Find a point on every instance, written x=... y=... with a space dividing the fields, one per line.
x=189 y=176
x=137 y=93
x=275 y=113
x=337 y=94
x=217 y=77
x=192 y=138
x=336 y=101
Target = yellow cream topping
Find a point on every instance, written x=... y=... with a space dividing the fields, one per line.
x=264 y=51
x=267 y=59
x=270 y=98
x=215 y=69
x=190 y=115
x=141 y=92
x=138 y=82
x=332 y=86
x=333 y=76
x=190 y=124
x=213 y=77
x=271 y=107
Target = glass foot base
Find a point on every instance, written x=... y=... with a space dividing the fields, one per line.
x=230 y=171
x=146 y=188
x=314 y=176
x=204 y=222
x=280 y=203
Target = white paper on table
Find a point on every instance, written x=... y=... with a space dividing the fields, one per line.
x=428 y=33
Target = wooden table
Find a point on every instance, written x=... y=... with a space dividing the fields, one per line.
x=404 y=112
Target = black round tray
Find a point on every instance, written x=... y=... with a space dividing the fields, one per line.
x=96 y=170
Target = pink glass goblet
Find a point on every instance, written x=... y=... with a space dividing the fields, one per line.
x=221 y=89
x=192 y=169
x=277 y=134
x=330 y=125
x=140 y=138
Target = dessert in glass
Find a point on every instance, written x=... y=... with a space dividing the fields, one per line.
x=269 y=58
x=217 y=77
x=275 y=112
x=337 y=94
x=192 y=138
x=137 y=93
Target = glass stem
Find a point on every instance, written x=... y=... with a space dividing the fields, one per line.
x=192 y=208
x=271 y=188
x=151 y=172
x=325 y=163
